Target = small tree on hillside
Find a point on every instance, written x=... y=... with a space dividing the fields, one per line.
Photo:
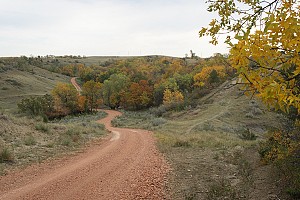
x=92 y=91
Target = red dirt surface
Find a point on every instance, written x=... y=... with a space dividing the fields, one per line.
x=126 y=165
x=74 y=83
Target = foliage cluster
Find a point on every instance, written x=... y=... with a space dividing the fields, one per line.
x=265 y=49
x=139 y=83
x=132 y=84
x=283 y=148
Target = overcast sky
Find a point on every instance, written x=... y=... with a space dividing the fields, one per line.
x=104 y=27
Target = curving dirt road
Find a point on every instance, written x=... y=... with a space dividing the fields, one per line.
x=74 y=83
x=125 y=165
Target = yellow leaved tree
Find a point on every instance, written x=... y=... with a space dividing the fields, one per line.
x=264 y=37
x=173 y=99
x=209 y=75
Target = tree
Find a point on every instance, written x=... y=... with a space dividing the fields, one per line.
x=113 y=90
x=140 y=95
x=173 y=99
x=42 y=105
x=91 y=90
x=209 y=75
x=65 y=99
x=267 y=52
x=185 y=82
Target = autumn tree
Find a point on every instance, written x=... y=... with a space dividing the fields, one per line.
x=209 y=75
x=65 y=99
x=86 y=73
x=265 y=46
x=92 y=91
x=173 y=99
x=140 y=95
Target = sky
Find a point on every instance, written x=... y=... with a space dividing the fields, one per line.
x=104 y=28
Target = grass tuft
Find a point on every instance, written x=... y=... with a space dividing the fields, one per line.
x=30 y=140
x=6 y=155
x=42 y=127
x=220 y=190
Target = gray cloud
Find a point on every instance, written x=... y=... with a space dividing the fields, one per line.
x=98 y=27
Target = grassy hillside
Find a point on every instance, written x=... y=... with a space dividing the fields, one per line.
x=213 y=149
x=16 y=84
x=26 y=140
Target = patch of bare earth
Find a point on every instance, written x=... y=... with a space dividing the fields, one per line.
x=125 y=166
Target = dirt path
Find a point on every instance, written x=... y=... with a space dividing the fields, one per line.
x=126 y=165
x=74 y=83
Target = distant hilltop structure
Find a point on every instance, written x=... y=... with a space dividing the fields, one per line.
x=192 y=55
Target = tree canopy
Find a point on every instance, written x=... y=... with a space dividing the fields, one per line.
x=264 y=37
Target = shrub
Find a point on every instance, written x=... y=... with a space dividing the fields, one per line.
x=207 y=126
x=249 y=115
x=246 y=134
x=158 y=111
x=72 y=135
x=257 y=111
x=37 y=106
x=181 y=143
x=6 y=155
x=283 y=149
x=221 y=190
x=29 y=140
x=42 y=127
x=158 y=121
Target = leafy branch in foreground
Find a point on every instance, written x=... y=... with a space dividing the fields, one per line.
x=266 y=53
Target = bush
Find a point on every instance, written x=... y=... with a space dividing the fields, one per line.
x=69 y=138
x=37 y=106
x=283 y=149
x=29 y=140
x=42 y=127
x=158 y=111
x=246 y=134
x=6 y=155
x=181 y=143
x=207 y=126
x=221 y=190
x=158 y=121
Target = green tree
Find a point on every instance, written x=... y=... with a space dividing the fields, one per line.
x=113 y=90
x=92 y=91
x=35 y=106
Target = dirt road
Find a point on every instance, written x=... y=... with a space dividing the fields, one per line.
x=125 y=165
x=74 y=83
